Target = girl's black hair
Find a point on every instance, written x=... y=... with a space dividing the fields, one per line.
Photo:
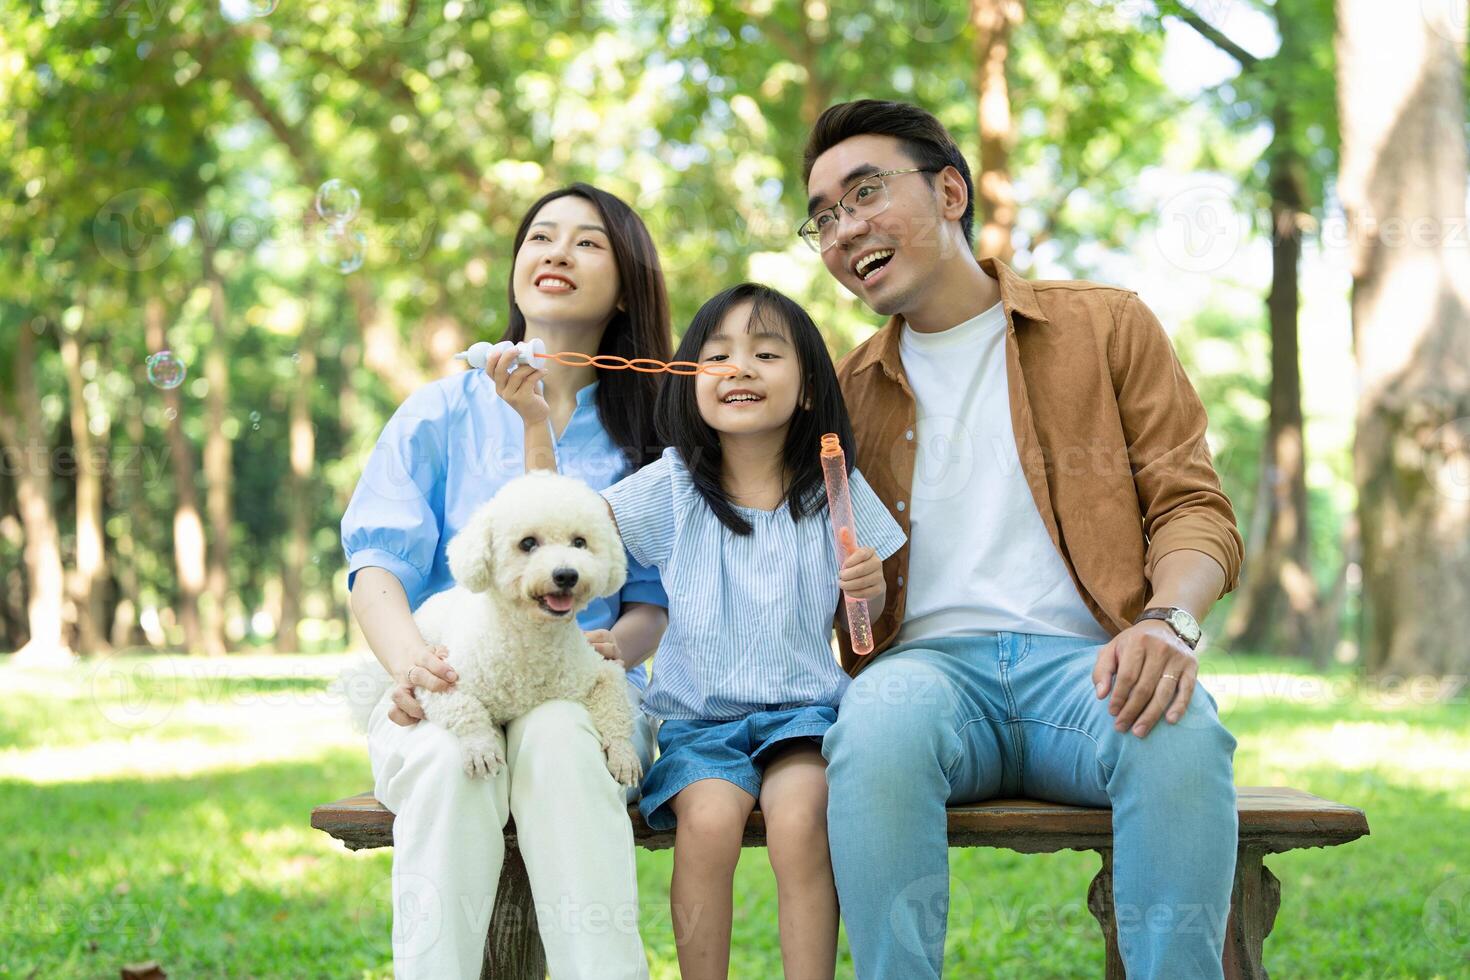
x=682 y=427
x=625 y=399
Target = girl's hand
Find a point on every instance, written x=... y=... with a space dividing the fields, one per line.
x=605 y=644
x=861 y=575
x=521 y=390
x=430 y=668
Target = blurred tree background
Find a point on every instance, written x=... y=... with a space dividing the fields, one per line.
x=194 y=364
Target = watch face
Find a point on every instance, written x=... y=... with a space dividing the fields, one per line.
x=1184 y=625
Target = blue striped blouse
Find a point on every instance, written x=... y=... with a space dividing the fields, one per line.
x=750 y=617
x=450 y=446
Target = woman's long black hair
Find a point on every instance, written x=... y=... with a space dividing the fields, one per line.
x=682 y=427
x=625 y=399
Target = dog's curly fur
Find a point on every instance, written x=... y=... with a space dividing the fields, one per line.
x=543 y=535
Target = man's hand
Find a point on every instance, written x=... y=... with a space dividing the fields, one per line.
x=1155 y=672
x=430 y=669
x=606 y=645
x=520 y=389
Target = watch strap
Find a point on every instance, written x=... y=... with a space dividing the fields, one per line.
x=1165 y=615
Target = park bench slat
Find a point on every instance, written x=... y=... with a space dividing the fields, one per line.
x=1272 y=818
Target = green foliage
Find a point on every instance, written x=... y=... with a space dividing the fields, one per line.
x=145 y=135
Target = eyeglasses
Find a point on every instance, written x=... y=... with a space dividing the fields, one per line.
x=866 y=198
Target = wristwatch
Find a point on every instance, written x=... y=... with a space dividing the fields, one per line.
x=1179 y=620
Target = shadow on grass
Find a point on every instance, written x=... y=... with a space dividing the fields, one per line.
x=215 y=875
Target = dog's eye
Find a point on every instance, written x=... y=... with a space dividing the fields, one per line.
x=528 y=544
x=579 y=542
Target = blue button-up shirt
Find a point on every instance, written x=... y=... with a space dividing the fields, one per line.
x=450 y=446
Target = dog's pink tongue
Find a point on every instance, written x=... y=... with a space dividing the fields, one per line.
x=558 y=603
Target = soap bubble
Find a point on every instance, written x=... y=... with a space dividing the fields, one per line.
x=337 y=201
x=261 y=8
x=165 y=370
x=170 y=413
x=342 y=249
x=255 y=416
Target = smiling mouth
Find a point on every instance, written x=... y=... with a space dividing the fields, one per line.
x=555 y=284
x=869 y=266
x=742 y=399
x=555 y=603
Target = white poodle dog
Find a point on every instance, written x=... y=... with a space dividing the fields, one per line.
x=525 y=564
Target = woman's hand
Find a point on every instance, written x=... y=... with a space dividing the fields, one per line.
x=861 y=575
x=606 y=644
x=521 y=389
x=430 y=668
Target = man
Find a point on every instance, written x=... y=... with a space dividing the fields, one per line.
x=1046 y=455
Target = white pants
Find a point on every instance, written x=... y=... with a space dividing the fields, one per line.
x=573 y=830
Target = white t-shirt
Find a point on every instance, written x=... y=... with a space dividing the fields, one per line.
x=980 y=558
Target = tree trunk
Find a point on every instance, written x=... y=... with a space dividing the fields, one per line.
x=89 y=576
x=189 y=551
x=994 y=21
x=1403 y=182
x=348 y=418
x=816 y=91
x=136 y=467
x=26 y=431
x=218 y=467
x=1278 y=607
x=383 y=352
x=299 y=491
x=440 y=335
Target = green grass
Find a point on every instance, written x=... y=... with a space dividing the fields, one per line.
x=157 y=810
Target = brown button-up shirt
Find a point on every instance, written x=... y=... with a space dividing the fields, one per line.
x=1110 y=433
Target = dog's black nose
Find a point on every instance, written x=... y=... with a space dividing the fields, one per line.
x=564 y=578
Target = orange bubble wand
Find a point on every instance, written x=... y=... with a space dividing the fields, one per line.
x=483 y=352
x=839 y=508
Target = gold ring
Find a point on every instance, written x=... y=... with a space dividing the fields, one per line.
x=1171 y=677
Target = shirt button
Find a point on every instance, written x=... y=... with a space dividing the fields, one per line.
x=900 y=505
x=900 y=581
x=909 y=435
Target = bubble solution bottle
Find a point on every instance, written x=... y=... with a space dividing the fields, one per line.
x=839 y=508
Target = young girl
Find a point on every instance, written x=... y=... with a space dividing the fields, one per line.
x=734 y=516
x=585 y=277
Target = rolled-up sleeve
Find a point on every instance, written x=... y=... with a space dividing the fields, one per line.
x=396 y=514
x=876 y=528
x=643 y=506
x=644 y=585
x=1179 y=493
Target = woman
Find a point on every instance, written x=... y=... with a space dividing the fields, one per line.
x=586 y=278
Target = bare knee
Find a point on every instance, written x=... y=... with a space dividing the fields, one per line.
x=711 y=821
x=796 y=832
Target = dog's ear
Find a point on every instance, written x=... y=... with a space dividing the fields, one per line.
x=469 y=552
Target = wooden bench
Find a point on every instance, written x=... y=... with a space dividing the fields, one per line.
x=1272 y=819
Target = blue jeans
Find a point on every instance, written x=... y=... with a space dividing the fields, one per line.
x=964 y=719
